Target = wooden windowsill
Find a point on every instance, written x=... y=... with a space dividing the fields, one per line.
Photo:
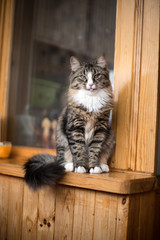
x=113 y=182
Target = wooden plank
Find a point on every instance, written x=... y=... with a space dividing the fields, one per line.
x=4 y=198
x=147 y=215
x=15 y=208
x=46 y=213
x=124 y=49
x=148 y=98
x=141 y=216
x=135 y=84
x=30 y=214
x=105 y=216
x=27 y=152
x=122 y=217
x=111 y=182
x=157 y=216
x=84 y=214
x=64 y=212
x=133 y=219
x=6 y=13
x=115 y=182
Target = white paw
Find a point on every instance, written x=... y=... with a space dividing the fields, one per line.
x=69 y=167
x=80 y=170
x=104 y=167
x=95 y=170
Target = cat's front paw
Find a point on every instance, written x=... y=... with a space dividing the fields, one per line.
x=68 y=167
x=95 y=170
x=80 y=170
x=104 y=167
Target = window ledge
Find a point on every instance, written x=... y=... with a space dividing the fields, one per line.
x=113 y=182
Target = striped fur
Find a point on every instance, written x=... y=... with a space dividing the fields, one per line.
x=84 y=124
x=84 y=139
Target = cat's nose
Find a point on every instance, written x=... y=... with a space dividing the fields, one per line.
x=90 y=85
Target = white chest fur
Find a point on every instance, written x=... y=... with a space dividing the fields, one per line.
x=93 y=101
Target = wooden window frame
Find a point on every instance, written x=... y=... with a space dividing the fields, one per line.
x=136 y=89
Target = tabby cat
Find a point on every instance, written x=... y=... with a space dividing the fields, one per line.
x=84 y=139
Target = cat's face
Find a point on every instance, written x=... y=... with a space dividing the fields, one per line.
x=89 y=77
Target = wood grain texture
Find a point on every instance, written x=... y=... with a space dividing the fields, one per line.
x=122 y=217
x=30 y=214
x=6 y=26
x=11 y=207
x=15 y=209
x=141 y=216
x=124 y=48
x=4 y=198
x=64 y=213
x=105 y=216
x=46 y=213
x=157 y=216
x=115 y=182
x=84 y=208
x=148 y=97
x=136 y=85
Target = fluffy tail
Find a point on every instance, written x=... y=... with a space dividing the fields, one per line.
x=43 y=169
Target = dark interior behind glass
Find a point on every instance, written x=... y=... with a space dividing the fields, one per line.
x=46 y=33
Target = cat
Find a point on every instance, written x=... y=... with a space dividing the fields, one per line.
x=84 y=139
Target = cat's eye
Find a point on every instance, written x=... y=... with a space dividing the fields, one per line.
x=97 y=76
x=83 y=77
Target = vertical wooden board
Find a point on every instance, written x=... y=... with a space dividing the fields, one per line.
x=146 y=142
x=133 y=219
x=157 y=216
x=124 y=46
x=147 y=216
x=15 y=208
x=122 y=217
x=46 y=216
x=141 y=216
x=4 y=186
x=30 y=214
x=6 y=18
x=136 y=71
x=64 y=212
x=105 y=216
x=84 y=214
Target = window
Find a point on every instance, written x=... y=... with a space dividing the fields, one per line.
x=45 y=35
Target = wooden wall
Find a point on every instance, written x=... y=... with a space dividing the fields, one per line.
x=136 y=85
x=64 y=212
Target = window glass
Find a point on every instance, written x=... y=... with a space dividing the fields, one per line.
x=46 y=33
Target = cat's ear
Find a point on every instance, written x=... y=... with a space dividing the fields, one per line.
x=101 y=61
x=75 y=63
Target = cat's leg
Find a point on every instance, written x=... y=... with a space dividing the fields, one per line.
x=100 y=150
x=94 y=150
x=63 y=152
x=68 y=160
x=65 y=157
x=77 y=147
x=78 y=151
x=107 y=151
